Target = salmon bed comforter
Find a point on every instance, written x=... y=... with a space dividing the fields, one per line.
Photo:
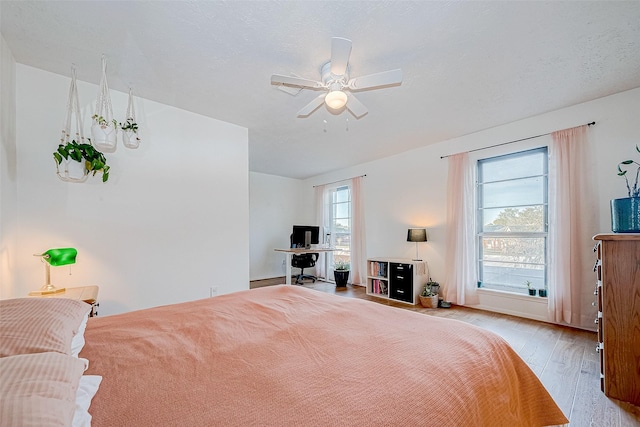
x=290 y=356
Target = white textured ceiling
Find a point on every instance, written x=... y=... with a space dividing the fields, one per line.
x=467 y=66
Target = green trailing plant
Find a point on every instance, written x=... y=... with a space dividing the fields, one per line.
x=104 y=122
x=430 y=289
x=635 y=190
x=94 y=160
x=129 y=124
x=341 y=265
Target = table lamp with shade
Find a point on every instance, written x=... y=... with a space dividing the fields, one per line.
x=417 y=235
x=55 y=257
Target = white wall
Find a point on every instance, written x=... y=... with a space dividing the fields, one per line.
x=8 y=185
x=409 y=189
x=171 y=221
x=274 y=208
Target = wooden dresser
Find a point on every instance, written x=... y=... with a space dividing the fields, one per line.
x=618 y=299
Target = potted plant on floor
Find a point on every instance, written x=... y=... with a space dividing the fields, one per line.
x=341 y=273
x=429 y=295
x=625 y=213
x=78 y=160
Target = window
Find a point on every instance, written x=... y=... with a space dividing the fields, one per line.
x=339 y=220
x=512 y=221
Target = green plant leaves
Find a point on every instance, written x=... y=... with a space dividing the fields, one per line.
x=634 y=191
x=95 y=161
x=129 y=124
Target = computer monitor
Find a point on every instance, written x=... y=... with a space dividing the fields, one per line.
x=305 y=235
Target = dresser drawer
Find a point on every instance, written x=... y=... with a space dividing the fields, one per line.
x=401 y=282
x=401 y=291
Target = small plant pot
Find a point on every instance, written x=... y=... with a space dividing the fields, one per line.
x=542 y=292
x=532 y=292
x=104 y=137
x=429 y=302
x=130 y=139
x=71 y=171
x=341 y=277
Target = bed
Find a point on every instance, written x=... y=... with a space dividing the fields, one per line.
x=291 y=356
x=286 y=355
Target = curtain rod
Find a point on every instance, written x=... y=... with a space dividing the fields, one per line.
x=340 y=180
x=511 y=142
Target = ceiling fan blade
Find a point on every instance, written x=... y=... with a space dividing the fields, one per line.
x=385 y=78
x=356 y=107
x=340 y=52
x=312 y=106
x=294 y=81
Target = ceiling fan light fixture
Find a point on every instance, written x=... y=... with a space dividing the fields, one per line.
x=336 y=99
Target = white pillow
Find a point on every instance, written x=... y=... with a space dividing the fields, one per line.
x=87 y=388
x=38 y=389
x=40 y=325
x=77 y=342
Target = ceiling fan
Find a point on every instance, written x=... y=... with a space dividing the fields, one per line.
x=336 y=84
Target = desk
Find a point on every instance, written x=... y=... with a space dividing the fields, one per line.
x=298 y=251
x=88 y=294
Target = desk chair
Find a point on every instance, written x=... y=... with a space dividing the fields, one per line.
x=303 y=261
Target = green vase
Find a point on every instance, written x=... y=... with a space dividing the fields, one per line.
x=625 y=215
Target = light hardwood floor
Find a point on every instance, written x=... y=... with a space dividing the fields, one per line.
x=563 y=358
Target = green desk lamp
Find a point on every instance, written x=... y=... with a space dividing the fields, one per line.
x=55 y=257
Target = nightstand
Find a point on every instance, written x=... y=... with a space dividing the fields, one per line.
x=88 y=294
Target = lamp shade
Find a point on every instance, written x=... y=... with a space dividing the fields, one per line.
x=336 y=99
x=60 y=256
x=417 y=235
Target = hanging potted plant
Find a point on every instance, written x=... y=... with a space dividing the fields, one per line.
x=74 y=158
x=341 y=273
x=69 y=165
x=104 y=129
x=130 y=133
x=625 y=212
x=130 y=137
x=78 y=160
x=104 y=132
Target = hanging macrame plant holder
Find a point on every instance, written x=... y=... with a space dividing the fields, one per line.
x=130 y=137
x=67 y=168
x=104 y=128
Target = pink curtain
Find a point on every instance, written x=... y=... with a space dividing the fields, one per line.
x=460 y=286
x=358 y=244
x=572 y=223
